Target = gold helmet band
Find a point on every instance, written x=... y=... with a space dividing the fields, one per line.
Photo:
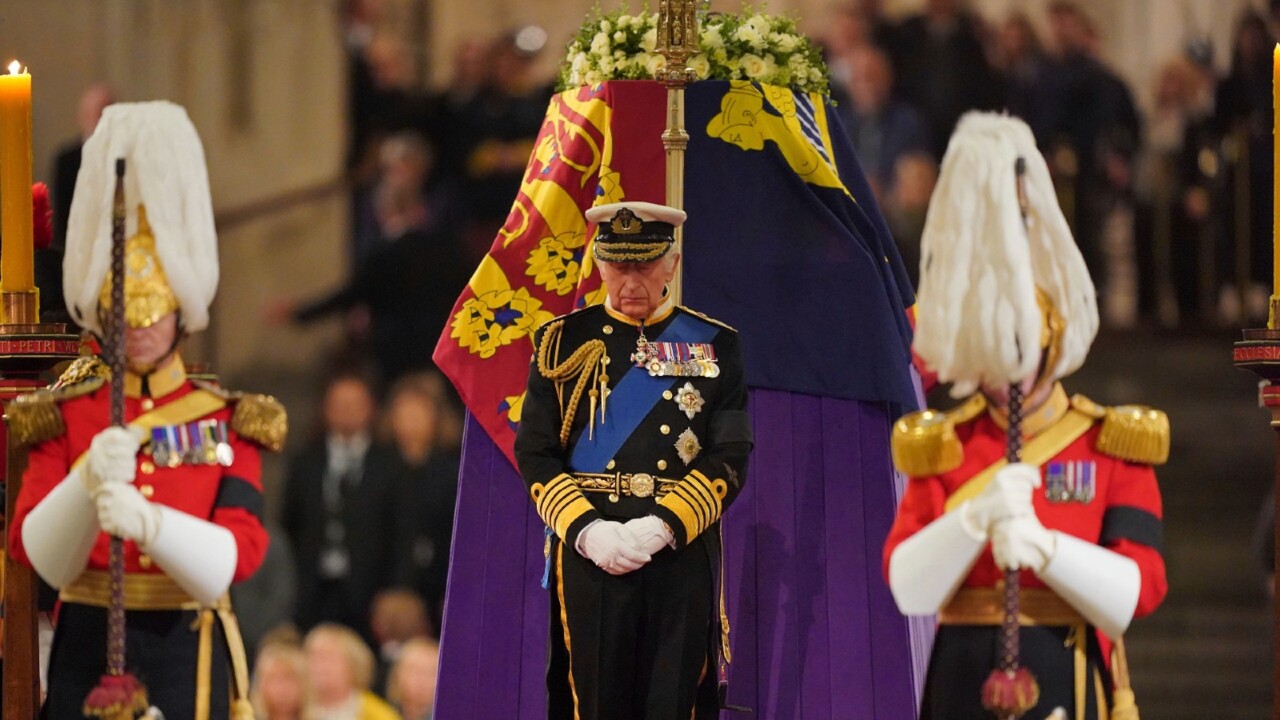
x=1052 y=328
x=147 y=294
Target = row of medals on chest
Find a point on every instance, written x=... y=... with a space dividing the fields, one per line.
x=204 y=442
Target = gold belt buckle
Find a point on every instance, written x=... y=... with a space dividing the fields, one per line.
x=642 y=485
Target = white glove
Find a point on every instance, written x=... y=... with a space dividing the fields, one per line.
x=612 y=547
x=1007 y=495
x=1022 y=543
x=124 y=513
x=651 y=534
x=112 y=457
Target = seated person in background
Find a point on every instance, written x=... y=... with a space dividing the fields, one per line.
x=412 y=686
x=279 y=688
x=397 y=617
x=340 y=669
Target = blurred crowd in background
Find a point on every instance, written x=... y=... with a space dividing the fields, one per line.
x=1172 y=209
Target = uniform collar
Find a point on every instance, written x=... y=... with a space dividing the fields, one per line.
x=160 y=382
x=1053 y=409
x=658 y=315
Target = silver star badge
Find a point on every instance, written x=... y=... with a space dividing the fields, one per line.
x=687 y=446
x=689 y=400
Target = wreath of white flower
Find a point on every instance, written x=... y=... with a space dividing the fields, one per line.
x=746 y=46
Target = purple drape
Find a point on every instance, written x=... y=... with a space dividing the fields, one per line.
x=815 y=632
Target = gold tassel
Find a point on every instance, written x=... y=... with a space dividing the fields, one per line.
x=242 y=710
x=1124 y=705
x=604 y=389
x=591 y=422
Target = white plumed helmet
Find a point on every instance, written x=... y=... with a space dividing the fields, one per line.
x=165 y=172
x=981 y=267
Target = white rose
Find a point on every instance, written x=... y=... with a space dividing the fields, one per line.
x=619 y=55
x=754 y=66
x=606 y=27
x=785 y=43
x=711 y=37
x=624 y=21
x=600 y=44
x=748 y=35
x=619 y=37
x=700 y=65
x=649 y=40
x=759 y=23
x=607 y=66
x=579 y=64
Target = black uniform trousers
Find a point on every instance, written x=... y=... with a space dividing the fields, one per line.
x=160 y=649
x=964 y=655
x=635 y=646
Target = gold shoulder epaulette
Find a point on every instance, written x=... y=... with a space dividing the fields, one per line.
x=35 y=417
x=924 y=443
x=1135 y=433
x=260 y=418
x=711 y=320
x=82 y=370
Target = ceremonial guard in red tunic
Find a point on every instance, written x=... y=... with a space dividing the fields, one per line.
x=180 y=482
x=1005 y=299
x=633 y=440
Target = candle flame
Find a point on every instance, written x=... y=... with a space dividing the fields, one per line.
x=14 y=68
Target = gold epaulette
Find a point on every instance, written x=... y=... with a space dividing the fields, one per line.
x=262 y=419
x=711 y=320
x=1135 y=433
x=35 y=417
x=81 y=370
x=925 y=443
x=259 y=418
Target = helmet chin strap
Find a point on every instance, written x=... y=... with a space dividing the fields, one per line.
x=143 y=369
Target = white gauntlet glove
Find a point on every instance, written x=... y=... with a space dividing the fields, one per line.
x=112 y=458
x=1022 y=543
x=124 y=513
x=651 y=533
x=612 y=547
x=1008 y=495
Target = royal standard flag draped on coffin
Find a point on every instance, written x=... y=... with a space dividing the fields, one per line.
x=783 y=242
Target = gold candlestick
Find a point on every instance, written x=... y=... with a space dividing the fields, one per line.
x=677 y=42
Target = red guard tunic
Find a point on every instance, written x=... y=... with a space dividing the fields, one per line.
x=163 y=637
x=1094 y=488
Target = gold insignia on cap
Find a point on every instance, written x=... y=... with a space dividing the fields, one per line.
x=147 y=293
x=625 y=222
